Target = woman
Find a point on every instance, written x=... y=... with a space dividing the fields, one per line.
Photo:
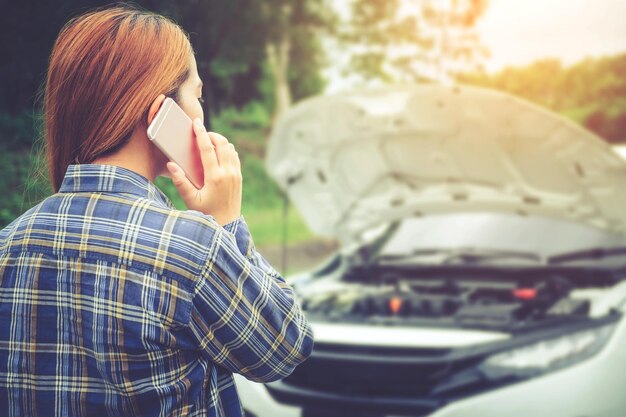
x=112 y=302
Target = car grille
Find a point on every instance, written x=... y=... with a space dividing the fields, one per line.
x=368 y=380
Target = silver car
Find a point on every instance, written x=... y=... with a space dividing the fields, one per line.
x=482 y=261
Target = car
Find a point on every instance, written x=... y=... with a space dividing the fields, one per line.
x=481 y=268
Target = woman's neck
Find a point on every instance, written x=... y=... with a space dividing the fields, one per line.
x=138 y=155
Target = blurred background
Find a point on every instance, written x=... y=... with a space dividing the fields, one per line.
x=257 y=58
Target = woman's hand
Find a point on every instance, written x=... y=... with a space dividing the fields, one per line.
x=221 y=194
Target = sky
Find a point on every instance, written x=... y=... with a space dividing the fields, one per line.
x=519 y=32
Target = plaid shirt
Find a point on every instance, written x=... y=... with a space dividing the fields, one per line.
x=113 y=303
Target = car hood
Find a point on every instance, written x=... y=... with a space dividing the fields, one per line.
x=353 y=161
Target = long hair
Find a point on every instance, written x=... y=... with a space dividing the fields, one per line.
x=106 y=67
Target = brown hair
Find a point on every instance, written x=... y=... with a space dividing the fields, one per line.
x=106 y=68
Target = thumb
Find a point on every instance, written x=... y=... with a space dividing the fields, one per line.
x=183 y=185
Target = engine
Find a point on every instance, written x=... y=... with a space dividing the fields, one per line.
x=456 y=300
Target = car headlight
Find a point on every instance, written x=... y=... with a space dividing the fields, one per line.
x=547 y=355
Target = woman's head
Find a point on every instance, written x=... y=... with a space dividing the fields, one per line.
x=106 y=70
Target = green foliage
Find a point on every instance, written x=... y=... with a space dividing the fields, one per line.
x=23 y=170
x=306 y=60
x=23 y=182
x=19 y=130
x=266 y=225
x=251 y=116
x=260 y=191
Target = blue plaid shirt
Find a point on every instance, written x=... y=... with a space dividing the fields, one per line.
x=113 y=303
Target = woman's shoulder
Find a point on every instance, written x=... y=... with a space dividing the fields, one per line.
x=190 y=239
x=194 y=227
x=193 y=224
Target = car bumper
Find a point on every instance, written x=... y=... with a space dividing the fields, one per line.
x=593 y=388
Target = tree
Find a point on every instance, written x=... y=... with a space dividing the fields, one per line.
x=28 y=33
x=231 y=39
x=403 y=40
x=294 y=29
x=235 y=39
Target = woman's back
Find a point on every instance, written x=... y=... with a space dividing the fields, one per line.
x=114 y=303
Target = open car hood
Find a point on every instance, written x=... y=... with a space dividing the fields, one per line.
x=353 y=161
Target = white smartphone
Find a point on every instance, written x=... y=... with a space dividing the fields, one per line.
x=171 y=131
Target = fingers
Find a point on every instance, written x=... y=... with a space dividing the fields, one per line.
x=221 y=148
x=221 y=194
x=208 y=154
x=226 y=153
x=235 y=160
x=183 y=185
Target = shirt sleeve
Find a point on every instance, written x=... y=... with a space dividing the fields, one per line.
x=244 y=315
x=239 y=229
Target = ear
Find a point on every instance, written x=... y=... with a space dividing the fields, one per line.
x=154 y=107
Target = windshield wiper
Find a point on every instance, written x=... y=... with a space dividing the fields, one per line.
x=594 y=253
x=465 y=255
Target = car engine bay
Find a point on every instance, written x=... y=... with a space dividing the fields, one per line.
x=506 y=300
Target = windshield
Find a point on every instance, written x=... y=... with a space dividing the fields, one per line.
x=494 y=237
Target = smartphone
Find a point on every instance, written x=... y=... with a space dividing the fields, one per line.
x=171 y=131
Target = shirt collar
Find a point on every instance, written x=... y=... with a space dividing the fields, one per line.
x=110 y=179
